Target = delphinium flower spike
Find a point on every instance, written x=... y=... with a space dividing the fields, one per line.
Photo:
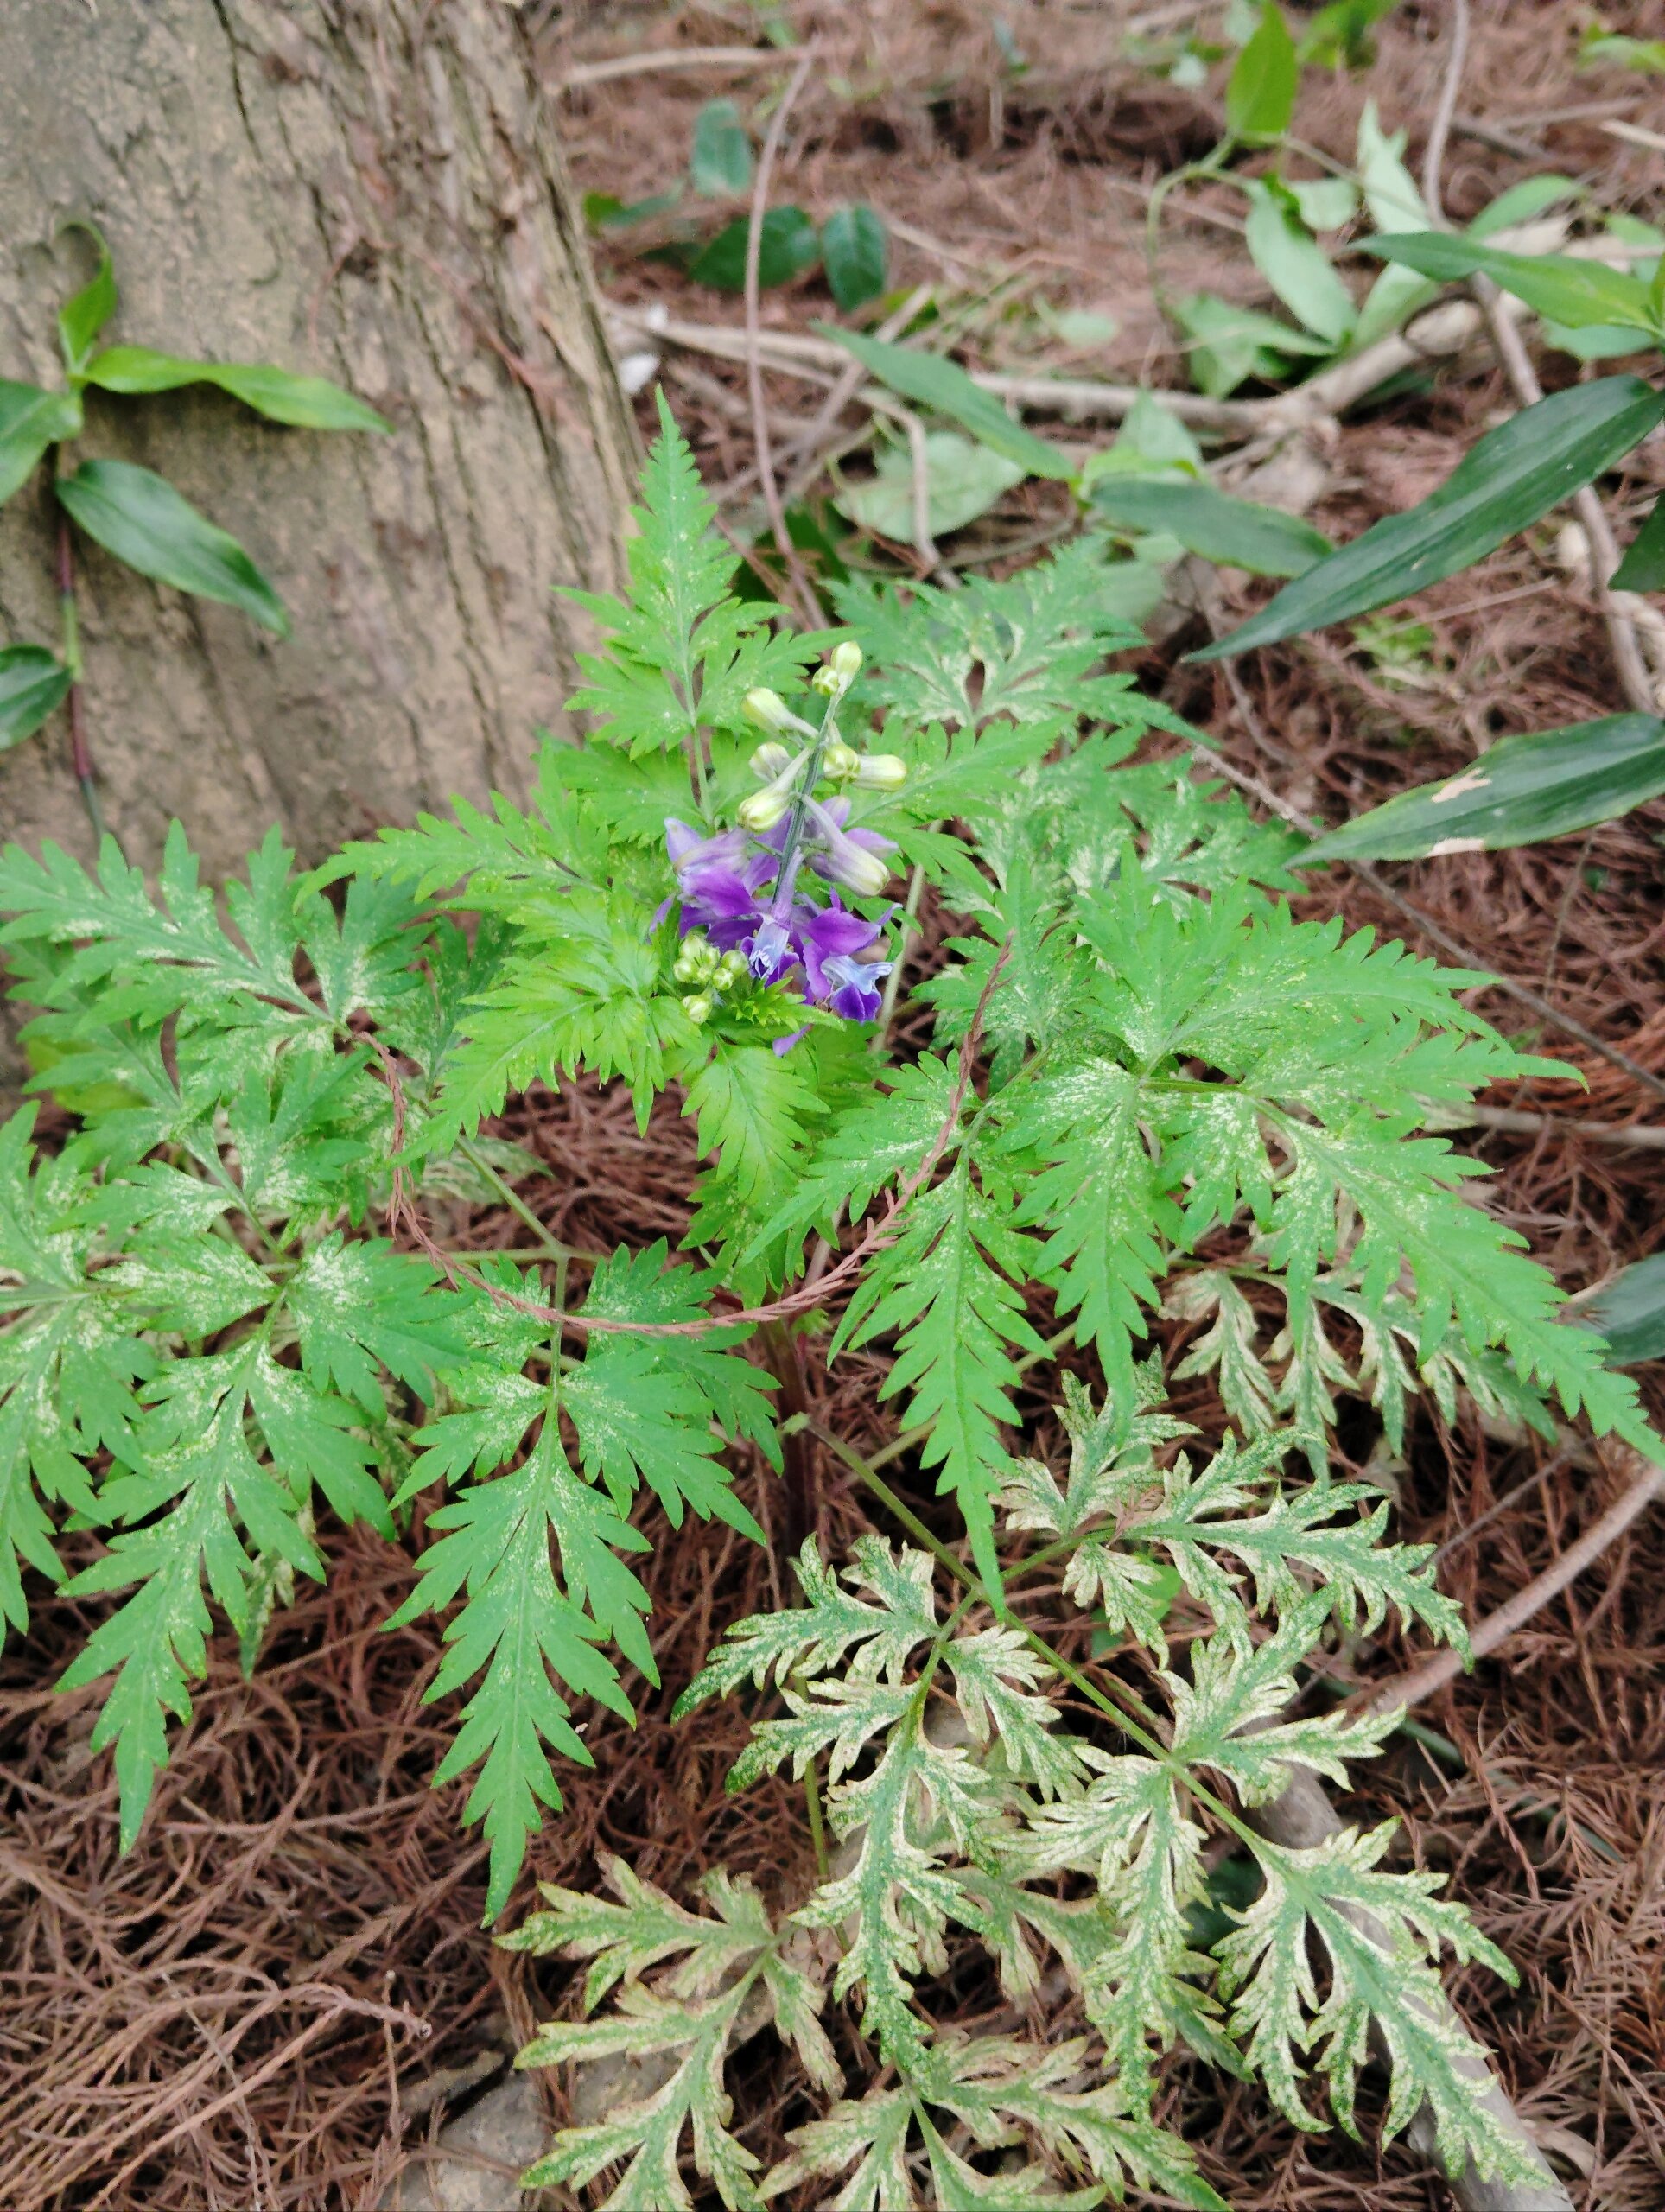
x=739 y=890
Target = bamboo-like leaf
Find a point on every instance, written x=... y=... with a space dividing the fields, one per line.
x=931 y=382
x=1643 y=567
x=1577 y=293
x=1519 y=792
x=1512 y=476
x=33 y=682
x=1630 y=1312
x=306 y=403
x=140 y=518
x=84 y=314
x=1294 y=263
x=30 y=420
x=1238 y=533
x=1261 y=94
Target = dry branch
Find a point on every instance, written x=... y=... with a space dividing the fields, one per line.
x=1647 y=1484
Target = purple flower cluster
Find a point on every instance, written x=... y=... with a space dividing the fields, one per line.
x=732 y=888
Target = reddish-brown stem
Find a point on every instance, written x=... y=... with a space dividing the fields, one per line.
x=80 y=753
x=798 y=1492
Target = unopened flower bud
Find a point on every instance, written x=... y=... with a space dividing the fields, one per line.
x=729 y=970
x=834 y=679
x=770 y=762
x=881 y=771
x=697 y=1008
x=840 y=761
x=760 y=810
x=693 y=958
x=853 y=866
x=769 y=711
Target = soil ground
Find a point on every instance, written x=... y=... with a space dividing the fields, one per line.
x=271 y=1998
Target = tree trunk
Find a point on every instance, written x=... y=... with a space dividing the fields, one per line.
x=366 y=190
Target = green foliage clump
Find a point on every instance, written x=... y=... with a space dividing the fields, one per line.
x=1150 y=1090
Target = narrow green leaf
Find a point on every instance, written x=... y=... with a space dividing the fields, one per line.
x=1513 y=475
x=1630 y=1312
x=1643 y=567
x=1294 y=264
x=32 y=682
x=720 y=164
x=1396 y=204
x=787 y=247
x=1260 y=98
x=143 y=520
x=1575 y=293
x=30 y=420
x=84 y=314
x=1240 y=532
x=932 y=382
x=855 y=250
x=307 y=402
x=1523 y=203
x=1518 y=792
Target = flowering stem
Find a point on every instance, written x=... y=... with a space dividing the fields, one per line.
x=791 y=849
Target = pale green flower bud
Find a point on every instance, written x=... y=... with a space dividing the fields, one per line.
x=770 y=762
x=768 y=710
x=697 y=1008
x=834 y=676
x=856 y=868
x=840 y=761
x=881 y=771
x=730 y=970
x=760 y=810
x=695 y=958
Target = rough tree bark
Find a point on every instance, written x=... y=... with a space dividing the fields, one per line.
x=370 y=190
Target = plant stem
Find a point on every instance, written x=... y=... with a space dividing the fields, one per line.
x=817 y=1825
x=780 y=1348
x=551 y=1246
x=80 y=756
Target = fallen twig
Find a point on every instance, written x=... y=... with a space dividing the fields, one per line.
x=673 y=57
x=1635 y=1136
x=806 y=592
x=1647 y=1484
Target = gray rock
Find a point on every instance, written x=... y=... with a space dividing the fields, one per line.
x=508 y=2127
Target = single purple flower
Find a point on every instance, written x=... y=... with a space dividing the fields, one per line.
x=771 y=950
x=835 y=973
x=857 y=996
x=717 y=882
x=784 y=1045
x=826 y=933
x=855 y=858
